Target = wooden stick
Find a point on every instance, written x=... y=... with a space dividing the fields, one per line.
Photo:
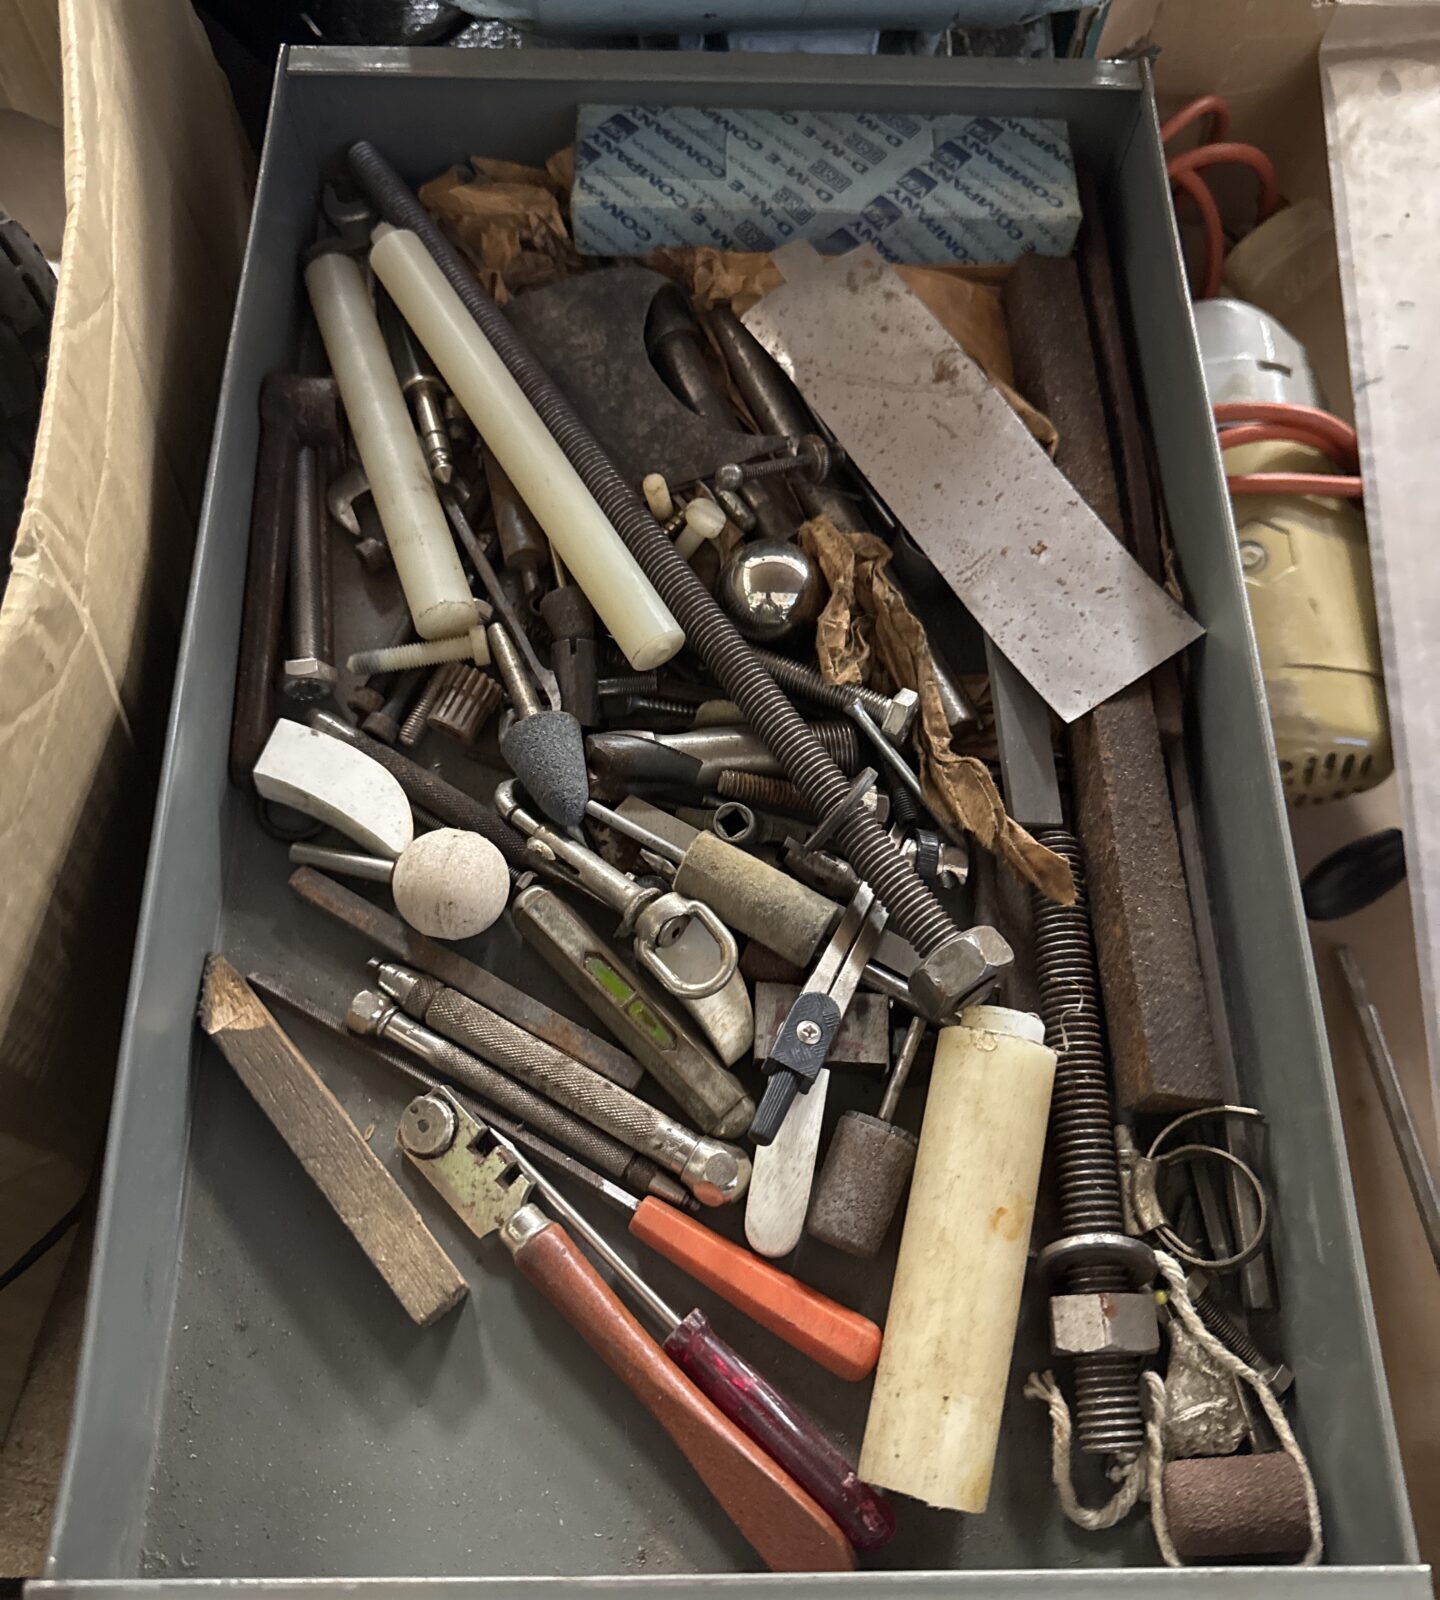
x=329 y=1146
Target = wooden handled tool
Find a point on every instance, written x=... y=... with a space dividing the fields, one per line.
x=788 y=1530
x=839 y=1339
x=490 y=1192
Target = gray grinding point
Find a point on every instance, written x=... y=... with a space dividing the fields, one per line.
x=546 y=752
x=1226 y=1506
x=866 y=1169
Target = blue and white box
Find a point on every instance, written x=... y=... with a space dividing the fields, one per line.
x=920 y=189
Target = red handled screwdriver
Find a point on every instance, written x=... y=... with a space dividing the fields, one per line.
x=790 y=1438
x=839 y=1339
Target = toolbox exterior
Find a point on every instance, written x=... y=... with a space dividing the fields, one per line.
x=209 y=1442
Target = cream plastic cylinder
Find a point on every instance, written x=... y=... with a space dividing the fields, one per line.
x=419 y=537
x=594 y=554
x=940 y=1386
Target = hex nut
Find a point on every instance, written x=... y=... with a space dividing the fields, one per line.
x=307 y=678
x=1103 y=1324
x=960 y=970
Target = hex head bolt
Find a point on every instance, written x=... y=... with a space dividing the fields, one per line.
x=915 y=913
x=306 y=675
x=385 y=723
x=866 y=1168
x=294 y=410
x=894 y=714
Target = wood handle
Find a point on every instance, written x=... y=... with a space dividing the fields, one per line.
x=787 y=1528
x=841 y=1340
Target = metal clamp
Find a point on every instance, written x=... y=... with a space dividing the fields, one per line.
x=1141 y=1177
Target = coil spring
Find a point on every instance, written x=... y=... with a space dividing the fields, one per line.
x=1087 y=1176
x=914 y=911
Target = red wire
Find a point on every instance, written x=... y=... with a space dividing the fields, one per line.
x=1261 y=420
x=1208 y=105
x=1215 y=150
x=1334 y=485
x=1188 y=183
x=1340 y=438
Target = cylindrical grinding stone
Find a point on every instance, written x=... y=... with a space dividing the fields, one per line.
x=866 y=1169
x=1220 y=1507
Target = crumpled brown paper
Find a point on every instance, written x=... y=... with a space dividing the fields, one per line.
x=717 y=277
x=509 y=220
x=865 y=621
x=512 y=222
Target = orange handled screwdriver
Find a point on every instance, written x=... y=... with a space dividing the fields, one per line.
x=839 y=1339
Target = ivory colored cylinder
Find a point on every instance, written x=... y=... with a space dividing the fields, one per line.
x=594 y=554
x=415 y=527
x=940 y=1386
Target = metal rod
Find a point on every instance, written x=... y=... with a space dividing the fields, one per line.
x=1392 y=1097
x=499 y=599
x=600 y=1245
x=901 y=1070
x=636 y=831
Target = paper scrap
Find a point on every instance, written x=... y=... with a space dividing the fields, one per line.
x=867 y=624
x=1038 y=570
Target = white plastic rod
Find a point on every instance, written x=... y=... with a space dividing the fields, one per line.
x=415 y=526
x=594 y=554
x=940 y=1386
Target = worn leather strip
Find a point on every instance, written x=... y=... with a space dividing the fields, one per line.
x=1157 y=1020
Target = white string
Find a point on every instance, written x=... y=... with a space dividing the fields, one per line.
x=1144 y=1474
x=1130 y=1474
x=1179 y=1300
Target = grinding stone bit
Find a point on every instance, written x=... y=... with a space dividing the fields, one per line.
x=546 y=752
x=866 y=1168
x=1222 y=1507
x=544 y=749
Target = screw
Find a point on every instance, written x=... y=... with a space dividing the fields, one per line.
x=810 y=455
x=807 y=1032
x=413 y=727
x=472 y=646
x=384 y=724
